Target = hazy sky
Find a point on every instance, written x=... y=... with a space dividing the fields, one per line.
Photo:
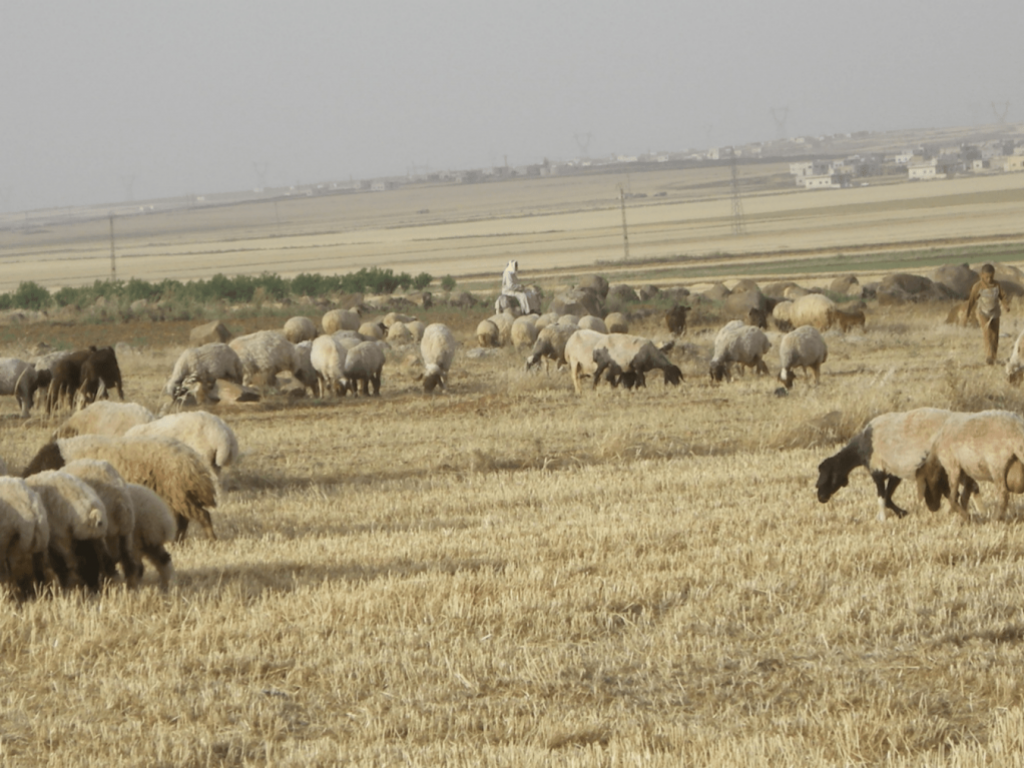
x=185 y=97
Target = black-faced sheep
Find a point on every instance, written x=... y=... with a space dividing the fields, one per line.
x=340 y=320
x=105 y=417
x=438 y=350
x=892 y=447
x=626 y=355
x=363 y=365
x=738 y=343
x=99 y=374
x=204 y=433
x=208 y=363
x=675 y=319
x=154 y=527
x=550 y=345
x=78 y=527
x=327 y=357
x=24 y=534
x=170 y=468
x=972 y=447
x=804 y=348
x=299 y=329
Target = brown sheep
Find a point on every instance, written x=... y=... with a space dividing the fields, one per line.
x=851 y=319
x=675 y=319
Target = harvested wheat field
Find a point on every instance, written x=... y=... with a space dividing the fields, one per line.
x=508 y=574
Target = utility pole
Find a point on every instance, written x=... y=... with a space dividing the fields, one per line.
x=625 y=232
x=738 y=225
x=113 y=264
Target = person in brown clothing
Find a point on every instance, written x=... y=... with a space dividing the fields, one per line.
x=986 y=297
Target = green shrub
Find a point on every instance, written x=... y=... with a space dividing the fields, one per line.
x=448 y=283
x=30 y=295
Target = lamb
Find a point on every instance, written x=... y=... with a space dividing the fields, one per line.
x=154 y=527
x=340 y=320
x=592 y=323
x=623 y=354
x=892 y=447
x=969 y=447
x=616 y=322
x=299 y=329
x=363 y=365
x=18 y=378
x=78 y=526
x=550 y=344
x=24 y=534
x=803 y=347
x=739 y=343
x=524 y=331
x=1015 y=365
x=265 y=354
x=108 y=485
x=328 y=360
x=208 y=363
x=487 y=334
x=438 y=350
x=813 y=309
x=105 y=417
x=579 y=354
x=172 y=469
x=850 y=319
x=204 y=433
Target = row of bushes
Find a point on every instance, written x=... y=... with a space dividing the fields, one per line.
x=238 y=289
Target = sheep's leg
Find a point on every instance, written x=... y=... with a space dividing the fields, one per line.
x=576 y=379
x=597 y=374
x=816 y=369
x=954 y=503
x=161 y=560
x=762 y=368
x=886 y=485
x=182 y=527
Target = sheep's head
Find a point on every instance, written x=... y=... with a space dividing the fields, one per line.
x=673 y=374
x=831 y=477
x=932 y=482
x=718 y=370
x=787 y=376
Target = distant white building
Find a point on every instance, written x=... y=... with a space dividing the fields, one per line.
x=924 y=170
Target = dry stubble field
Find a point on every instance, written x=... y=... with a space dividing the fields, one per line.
x=510 y=575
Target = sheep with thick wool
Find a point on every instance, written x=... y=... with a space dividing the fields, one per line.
x=327 y=357
x=738 y=343
x=416 y=328
x=363 y=365
x=340 y=320
x=628 y=359
x=265 y=354
x=550 y=345
x=207 y=363
x=805 y=348
x=78 y=525
x=154 y=527
x=593 y=323
x=105 y=417
x=24 y=534
x=177 y=473
x=438 y=350
x=206 y=434
x=299 y=329
x=503 y=322
x=524 y=331
x=487 y=334
x=105 y=480
x=579 y=354
x=813 y=309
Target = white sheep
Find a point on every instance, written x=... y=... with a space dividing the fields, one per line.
x=265 y=354
x=328 y=360
x=579 y=354
x=299 y=329
x=349 y=339
x=593 y=323
x=972 y=447
x=573 y=320
x=363 y=365
x=304 y=372
x=629 y=358
x=24 y=534
x=548 y=318
x=207 y=363
x=398 y=333
x=550 y=345
x=487 y=334
x=105 y=417
x=616 y=322
x=154 y=527
x=524 y=331
x=438 y=350
x=204 y=433
x=105 y=480
x=416 y=328
x=78 y=526
x=503 y=321
x=781 y=315
x=372 y=331
x=1015 y=365
x=813 y=309
x=340 y=320
x=739 y=343
x=18 y=378
x=892 y=447
x=172 y=469
x=803 y=347
x=396 y=317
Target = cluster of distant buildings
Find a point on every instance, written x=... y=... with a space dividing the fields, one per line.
x=920 y=164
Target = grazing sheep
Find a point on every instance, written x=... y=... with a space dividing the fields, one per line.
x=548 y=318
x=803 y=347
x=172 y=469
x=363 y=365
x=579 y=354
x=675 y=319
x=78 y=527
x=208 y=363
x=213 y=332
x=99 y=373
x=24 y=534
x=550 y=345
x=396 y=317
x=971 y=447
x=438 y=350
x=503 y=321
x=304 y=372
x=850 y=319
x=340 y=320
x=524 y=331
x=372 y=331
x=1015 y=365
x=616 y=322
x=349 y=339
x=66 y=379
x=399 y=333
x=623 y=354
x=204 y=433
x=108 y=485
x=487 y=334
x=813 y=309
x=105 y=417
x=416 y=328
x=892 y=447
x=18 y=378
x=739 y=343
x=154 y=527
x=591 y=323
x=781 y=316
x=328 y=360
x=299 y=329
x=265 y=354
